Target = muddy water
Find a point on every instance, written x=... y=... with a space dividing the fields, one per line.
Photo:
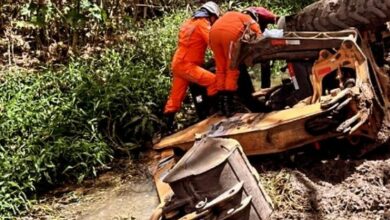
x=125 y=192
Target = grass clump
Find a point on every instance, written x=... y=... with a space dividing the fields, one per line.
x=285 y=190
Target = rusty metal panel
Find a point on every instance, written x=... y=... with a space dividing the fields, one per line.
x=258 y=133
x=160 y=170
x=292 y=46
x=215 y=180
x=187 y=136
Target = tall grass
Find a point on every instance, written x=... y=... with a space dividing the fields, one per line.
x=66 y=122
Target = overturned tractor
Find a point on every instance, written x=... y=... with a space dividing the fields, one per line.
x=338 y=88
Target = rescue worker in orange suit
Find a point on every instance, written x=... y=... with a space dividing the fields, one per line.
x=224 y=33
x=189 y=57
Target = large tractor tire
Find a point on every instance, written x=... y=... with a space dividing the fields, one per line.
x=333 y=15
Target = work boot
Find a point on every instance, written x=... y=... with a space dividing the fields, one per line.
x=220 y=103
x=212 y=103
x=228 y=104
x=239 y=106
x=168 y=119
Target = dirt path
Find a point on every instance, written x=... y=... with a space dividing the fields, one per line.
x=126 y=192
x=129 y=201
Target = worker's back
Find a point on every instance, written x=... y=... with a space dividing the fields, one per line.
x=193 y=41
x=232 y=22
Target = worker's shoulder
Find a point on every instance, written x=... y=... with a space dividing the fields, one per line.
x=233 y=14
x=201 y=21
x=201 y=24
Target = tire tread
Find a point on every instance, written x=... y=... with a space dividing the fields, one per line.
x=333 y=15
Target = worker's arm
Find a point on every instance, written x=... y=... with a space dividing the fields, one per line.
x=253 y=25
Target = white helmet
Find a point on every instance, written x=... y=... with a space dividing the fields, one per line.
x=212 y=8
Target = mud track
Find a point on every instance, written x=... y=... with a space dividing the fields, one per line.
x=318 y=186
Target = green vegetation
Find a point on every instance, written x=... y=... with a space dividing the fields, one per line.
x=68 y=120
x=279 y=7
x=45 y=135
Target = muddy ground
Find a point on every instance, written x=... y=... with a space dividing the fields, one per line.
x=303 y=185
x=125 y=192
x=318 y=186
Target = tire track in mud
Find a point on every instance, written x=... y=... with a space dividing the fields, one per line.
x=329 y=188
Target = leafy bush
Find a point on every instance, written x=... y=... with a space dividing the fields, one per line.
x=123 y=97
x=158 y=40
x=68 y=121
x=62 y=123
x=44 y=136
x=285 y=7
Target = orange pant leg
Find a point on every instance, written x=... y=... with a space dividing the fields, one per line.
x=204 y=78
x=231 y=78
x=183 y=74
x=220 y=58
x=177 y=94
x=220 y=64
x=221 y=43
x=196 y=74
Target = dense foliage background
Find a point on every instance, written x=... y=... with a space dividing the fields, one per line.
x=82 y=81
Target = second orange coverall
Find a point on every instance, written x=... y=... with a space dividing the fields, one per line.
x=187 y=61
x=224 y=32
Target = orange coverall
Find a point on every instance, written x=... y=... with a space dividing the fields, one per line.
x=187 y=61
x=224 y=32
